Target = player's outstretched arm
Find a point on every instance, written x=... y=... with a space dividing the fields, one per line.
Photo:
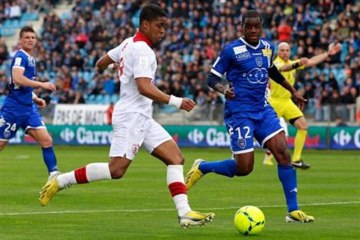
x=103 y=63
x=332 y=50
x=294 y=65
x=147 y=89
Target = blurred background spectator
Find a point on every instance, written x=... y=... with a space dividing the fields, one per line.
x=71 y=43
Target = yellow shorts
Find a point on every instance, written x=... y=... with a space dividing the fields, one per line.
x=285 y=108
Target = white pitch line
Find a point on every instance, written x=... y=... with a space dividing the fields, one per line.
x=161 y=210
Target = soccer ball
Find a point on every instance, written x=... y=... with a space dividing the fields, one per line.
x=249 y=220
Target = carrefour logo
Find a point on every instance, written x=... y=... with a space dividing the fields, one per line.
x=195 y=136
x=342 y=138
x=67 y=135
x=213 y=137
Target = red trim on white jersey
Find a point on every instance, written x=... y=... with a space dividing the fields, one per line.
x=141 y=37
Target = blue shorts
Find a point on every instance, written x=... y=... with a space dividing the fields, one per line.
x=10 y=122
x=244 y=127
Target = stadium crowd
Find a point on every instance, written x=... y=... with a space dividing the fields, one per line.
x=71 y=44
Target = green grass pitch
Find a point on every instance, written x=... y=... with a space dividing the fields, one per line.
x=139 y=206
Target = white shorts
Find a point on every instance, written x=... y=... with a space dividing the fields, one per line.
x=283 y=124
x=131 y=131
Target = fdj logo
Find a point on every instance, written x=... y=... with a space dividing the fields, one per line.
x=342 y=138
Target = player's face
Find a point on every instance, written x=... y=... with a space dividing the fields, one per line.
x=284 y=52
x=156 y=30
x=28 y=41
x=252 y=29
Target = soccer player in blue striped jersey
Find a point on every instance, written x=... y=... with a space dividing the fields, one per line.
x=246 y=63
x=20 y=106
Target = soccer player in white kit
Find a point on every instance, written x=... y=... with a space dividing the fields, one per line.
x=133 y=124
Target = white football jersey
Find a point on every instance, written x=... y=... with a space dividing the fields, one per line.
x=135 y=59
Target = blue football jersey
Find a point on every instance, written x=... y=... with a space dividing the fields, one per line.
x=20 y=97
x=246 y=68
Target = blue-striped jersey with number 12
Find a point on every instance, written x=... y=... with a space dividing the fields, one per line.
x=246 y=68
x=20 y=97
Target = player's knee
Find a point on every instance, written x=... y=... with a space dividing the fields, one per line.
x=2 y=145
x=46 y=142
x=177 y=159
x=244 y=170
x=283 y=157
x=117 y=173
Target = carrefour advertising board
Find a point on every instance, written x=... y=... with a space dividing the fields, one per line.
x=197 y=136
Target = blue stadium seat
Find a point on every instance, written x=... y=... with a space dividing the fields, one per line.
x=107 y=99
x=7 y=32
x=65 y=16
x=115 y=98
x=90 y=99
x=99 y=99
x=30 y=16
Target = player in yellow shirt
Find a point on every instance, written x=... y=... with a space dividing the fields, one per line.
x=280 y=98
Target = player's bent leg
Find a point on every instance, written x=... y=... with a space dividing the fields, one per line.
x=90 y=173
x=299 y=216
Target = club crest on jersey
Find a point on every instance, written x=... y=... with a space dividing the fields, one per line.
x=267 y=52
x=242 y=143
x=259 y=61
x=7 y=134
x=135 y=149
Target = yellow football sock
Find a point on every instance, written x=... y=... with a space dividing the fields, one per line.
x=299 y=144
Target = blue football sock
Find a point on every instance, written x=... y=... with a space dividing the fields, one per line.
x=225 y=167
x=49 y=159
x=287 y=176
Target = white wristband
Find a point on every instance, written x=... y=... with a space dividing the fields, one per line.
x=33 y=95
x=175 y=101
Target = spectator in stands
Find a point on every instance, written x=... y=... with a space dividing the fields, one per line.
x=14 y=11
x=198 y=29
x=4 y=54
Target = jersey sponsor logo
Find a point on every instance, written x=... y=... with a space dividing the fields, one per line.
x=242 y=56
x=257 y=75
x=267 y=52
x=17 y=61
x=239 y=49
